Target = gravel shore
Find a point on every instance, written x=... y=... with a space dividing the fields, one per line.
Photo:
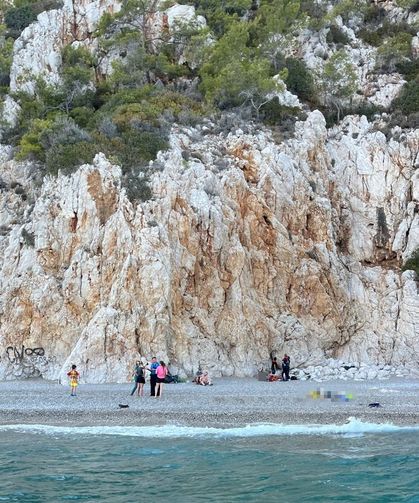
x=229 y=402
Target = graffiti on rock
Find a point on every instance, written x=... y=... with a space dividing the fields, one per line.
x=16 y=356
x=27 y=362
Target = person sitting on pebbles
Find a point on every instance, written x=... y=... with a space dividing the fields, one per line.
x=197 y=376
x=204 y=379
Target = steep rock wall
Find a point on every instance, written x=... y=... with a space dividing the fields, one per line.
x=37 y=52
x=247 y=247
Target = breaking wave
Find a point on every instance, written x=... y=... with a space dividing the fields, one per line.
x=352 y=427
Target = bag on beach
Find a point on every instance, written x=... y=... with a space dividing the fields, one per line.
x=171 y=379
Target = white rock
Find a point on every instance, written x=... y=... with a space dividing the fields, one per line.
x=415 y=46
x=268 y=263
x=9 y=110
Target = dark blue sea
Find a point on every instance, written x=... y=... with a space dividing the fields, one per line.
x=357 y=462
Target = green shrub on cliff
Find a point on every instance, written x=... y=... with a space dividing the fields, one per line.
x=277 y=16
x=18 y=18
x=21 y=13
x=336 y=36
x=381 y=32
x=408 y=68
x=233 y=74
x=300 y=80
x=408 y=99
x=44 y=140
x=315 y=12
x=69 y=156
x=30 y=146
x=347 y=9
x=393 y=50
x=412 y=263
x=6 y=53
x=220 y=15
x=408 y=4
x=338 y=81
x=154 y=109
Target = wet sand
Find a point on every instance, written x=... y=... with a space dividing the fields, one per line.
x=229 y=402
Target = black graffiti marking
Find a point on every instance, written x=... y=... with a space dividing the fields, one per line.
x=16 y=356
x=7 y=352
x=34 y=351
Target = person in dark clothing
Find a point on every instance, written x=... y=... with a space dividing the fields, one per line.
x=286 y=368
x=153 y=376
x=274 y=366
x=139 y=379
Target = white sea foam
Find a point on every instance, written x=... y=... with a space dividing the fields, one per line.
x=352 y=427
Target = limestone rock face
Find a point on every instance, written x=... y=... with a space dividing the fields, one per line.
x=315 y=50
x=246 y=248
x=381 y=90
x=9 y=111
x=37 y=52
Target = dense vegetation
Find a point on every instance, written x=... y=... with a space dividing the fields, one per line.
x=237 y=62
x=412 y=263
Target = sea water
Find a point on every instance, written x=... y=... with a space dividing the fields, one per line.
x=357 y=462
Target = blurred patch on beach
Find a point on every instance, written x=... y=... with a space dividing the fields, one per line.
x=334 y=396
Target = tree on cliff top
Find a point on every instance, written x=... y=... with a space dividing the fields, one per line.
x=338 y=81
x=233 y=74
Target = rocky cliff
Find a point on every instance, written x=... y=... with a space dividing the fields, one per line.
x=247 y=247
x=250 y=245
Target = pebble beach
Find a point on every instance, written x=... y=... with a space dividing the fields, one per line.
x=229 y=402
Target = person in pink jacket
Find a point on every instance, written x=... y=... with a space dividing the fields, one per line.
x=161 y=372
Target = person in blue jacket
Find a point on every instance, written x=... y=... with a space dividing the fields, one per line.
x=153 y=376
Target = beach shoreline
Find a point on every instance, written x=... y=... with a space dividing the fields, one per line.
x=230 y=402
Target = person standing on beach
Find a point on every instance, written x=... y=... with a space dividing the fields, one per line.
x=274 y=366
x=161 y=373
x=153 y=376
x=74 y=379
x=139 y=379
x=286 y=367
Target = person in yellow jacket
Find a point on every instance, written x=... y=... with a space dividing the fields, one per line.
x=74 y=379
